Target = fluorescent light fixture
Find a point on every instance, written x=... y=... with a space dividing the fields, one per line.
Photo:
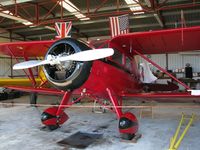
x=27 y=23
x=129 y=2
x=69 y=6
x=134 y=6
x=17 y=18
x=50 y=28
x=11 y=2
x=9 y=15
x=85 y=19
x=79 y=15
x=7 y=12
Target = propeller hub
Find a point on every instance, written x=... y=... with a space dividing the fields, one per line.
x=53 y=60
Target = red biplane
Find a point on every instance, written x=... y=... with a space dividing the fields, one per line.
x=70 y=68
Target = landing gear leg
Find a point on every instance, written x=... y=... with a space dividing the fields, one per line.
x=33 y=99
x=128 y=124
x=53 y=117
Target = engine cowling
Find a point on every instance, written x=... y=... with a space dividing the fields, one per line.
x=68 y=75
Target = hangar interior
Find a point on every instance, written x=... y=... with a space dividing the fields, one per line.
x=29 y=20
x=34 y=20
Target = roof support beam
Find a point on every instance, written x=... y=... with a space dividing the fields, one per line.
x=98 y=7
x=148 y=3
x=85 y=22
x=153 y=4
x=158 y=18
x=96 y=30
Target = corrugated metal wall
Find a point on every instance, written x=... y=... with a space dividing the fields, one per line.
x=194 y=60
x=176 y=61
x=5 y=68
x=5 y=61
x=159 y=59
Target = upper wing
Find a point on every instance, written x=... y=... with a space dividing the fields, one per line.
x=157 y=42
x=28 y=49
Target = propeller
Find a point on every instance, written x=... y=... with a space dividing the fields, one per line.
x=88 y=55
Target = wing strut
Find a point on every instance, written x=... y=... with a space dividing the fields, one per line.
x=31 y=77
x=31 y=73
x=114 y=100
x=163 y=70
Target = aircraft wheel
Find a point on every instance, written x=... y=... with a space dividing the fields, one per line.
x=128 y=126
x=33 y=99
x=50 y=120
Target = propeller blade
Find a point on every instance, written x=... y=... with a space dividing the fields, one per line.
x=81 y=56
x=30 y=64
x=89 y=55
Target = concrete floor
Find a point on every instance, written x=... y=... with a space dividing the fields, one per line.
x=20 y=128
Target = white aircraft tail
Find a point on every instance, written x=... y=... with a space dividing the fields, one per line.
x=146 y=73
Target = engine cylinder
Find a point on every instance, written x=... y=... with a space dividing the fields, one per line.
x=68 y=75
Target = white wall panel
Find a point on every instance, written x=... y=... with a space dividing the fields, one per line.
x=4 y=67
x=194 y=60
x=160 y=59
x=176 y=61
x=21 y=73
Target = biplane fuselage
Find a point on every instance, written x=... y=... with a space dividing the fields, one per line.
x=110 y=74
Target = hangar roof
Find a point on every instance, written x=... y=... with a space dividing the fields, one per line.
x=34 y=19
